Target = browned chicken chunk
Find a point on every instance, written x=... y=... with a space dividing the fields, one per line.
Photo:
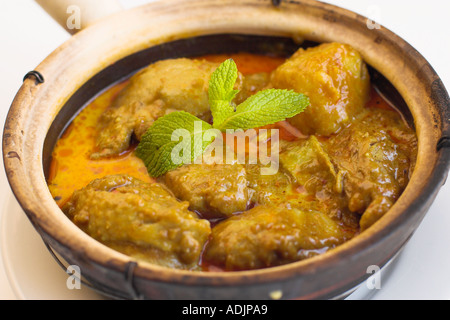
x=162 y=88
x=126 y=213
x=376 y=156
x=216 y=191
x=268 y=236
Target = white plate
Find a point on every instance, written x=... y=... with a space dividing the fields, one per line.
x=32 y=271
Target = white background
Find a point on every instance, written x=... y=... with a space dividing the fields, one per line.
x=28 y=35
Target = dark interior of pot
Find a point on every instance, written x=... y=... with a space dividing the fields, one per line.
x=192 y=47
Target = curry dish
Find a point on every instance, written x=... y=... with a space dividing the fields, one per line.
x=342 y=165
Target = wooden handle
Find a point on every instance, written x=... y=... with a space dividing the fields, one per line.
x=74 y=15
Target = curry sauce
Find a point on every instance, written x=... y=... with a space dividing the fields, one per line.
x=343 y=164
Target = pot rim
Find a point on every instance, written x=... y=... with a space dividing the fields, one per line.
x=400 y=63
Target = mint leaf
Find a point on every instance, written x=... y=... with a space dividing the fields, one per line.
x=160 y=133
x=221 y=91
x=158 y=160
x=179 y=136
x=264 y=108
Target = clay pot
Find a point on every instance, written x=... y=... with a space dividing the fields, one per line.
x=119 y=45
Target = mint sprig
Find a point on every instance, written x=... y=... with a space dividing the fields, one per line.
x=221 y=91
x=266 y=107
x=159 y=143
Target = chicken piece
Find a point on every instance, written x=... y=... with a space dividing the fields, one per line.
x=268 y=236
x=163 y=87
x=133 y=216
x=215 y=191
x=335 y=79
x=316 y=178
x=376 y=155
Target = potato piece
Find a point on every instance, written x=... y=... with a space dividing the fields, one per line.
x=215 y=191
x=134 y=217
x=163 y=87
x=268 y=236
x=335 y=79
x=252 y=84
x=310 y=166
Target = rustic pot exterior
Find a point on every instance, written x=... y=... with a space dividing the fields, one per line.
x=75 y=71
